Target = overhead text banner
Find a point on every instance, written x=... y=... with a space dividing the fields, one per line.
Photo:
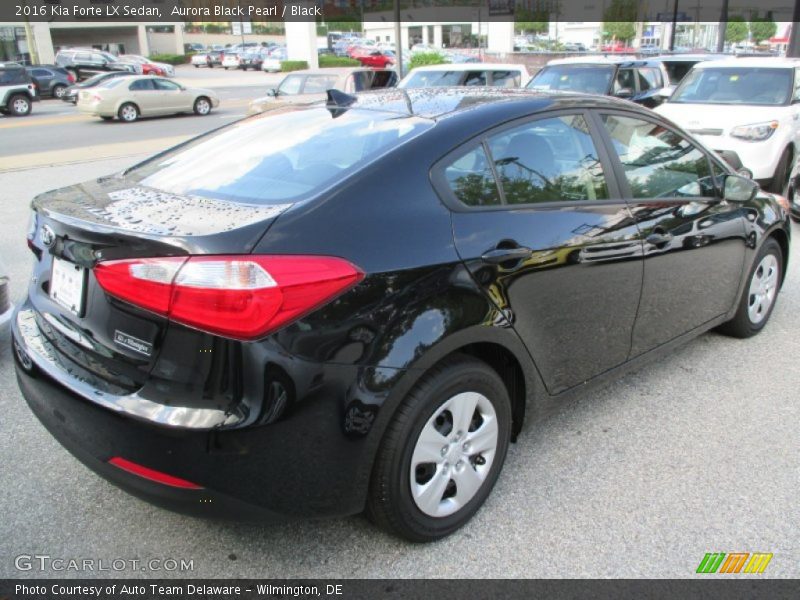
x=416 y=11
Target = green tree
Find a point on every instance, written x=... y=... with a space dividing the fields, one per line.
x=528 y=21
x=619 y=19
x=736 y=31
x=763 y=29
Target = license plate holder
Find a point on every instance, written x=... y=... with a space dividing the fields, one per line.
x=68 y=285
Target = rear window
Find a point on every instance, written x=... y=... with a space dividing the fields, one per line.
x=279 y=158
x=589 y=79
x=420 y=78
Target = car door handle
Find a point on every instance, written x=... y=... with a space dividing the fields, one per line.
x=658 y=238
x=501 y=255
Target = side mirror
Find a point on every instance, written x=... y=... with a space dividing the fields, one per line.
x=739 y=189
x=273 y=92
x=624 y=93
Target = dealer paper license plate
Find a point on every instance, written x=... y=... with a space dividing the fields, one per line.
x=67 y=284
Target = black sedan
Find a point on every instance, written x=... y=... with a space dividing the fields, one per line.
x=71 y=93
x=243 y=329
x=51 y=80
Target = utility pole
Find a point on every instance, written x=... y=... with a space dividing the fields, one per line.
x=794 y=37
x=398 y=37
x=723 y=26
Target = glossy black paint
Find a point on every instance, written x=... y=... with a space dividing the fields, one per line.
x=312 y=401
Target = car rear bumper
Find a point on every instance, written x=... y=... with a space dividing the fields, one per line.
x=314 y=461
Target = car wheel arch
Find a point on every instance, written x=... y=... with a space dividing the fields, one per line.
x=780 y=236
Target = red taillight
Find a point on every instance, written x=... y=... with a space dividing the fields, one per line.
x=152 y=474
x=242 y=297
x=70 y=77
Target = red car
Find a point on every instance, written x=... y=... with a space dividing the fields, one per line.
x=377 y=59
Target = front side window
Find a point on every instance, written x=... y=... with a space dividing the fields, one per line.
x=166 y=86
x=649 y=79
x=291 y=85
x=549 y=160
x=760 y=86
x=625 y=81
x=506 y=79
x=319 y=84
x=659 y=163
x=83 y=57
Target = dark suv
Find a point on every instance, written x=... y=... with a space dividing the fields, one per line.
x=86 y=62
x=17 y=90
x=645 y=82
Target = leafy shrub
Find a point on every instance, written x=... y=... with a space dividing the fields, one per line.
x=293 y=65
x=329 y=60
x=424 y=59
x=171 y=59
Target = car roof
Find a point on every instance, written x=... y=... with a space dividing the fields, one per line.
x=603 y=60
x=333 y=70
x=472 y=67
x=440 y=102
x=689 y=57
x=762 y=62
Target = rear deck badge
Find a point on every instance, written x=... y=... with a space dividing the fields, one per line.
x=133 y=343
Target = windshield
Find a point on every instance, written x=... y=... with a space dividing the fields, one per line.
x=735 y=85
x=279 y=157
x=588 y=79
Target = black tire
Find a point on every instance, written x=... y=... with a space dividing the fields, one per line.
x=58 y=91
x=780 y=181
x=200 y=104
x=742 y=325
x=129 y=113
x=390 y=502
x=19 y=105
x=107 y=118
x=197 y=66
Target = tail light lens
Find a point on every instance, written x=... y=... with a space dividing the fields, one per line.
x=242 y=297
x=70 y=77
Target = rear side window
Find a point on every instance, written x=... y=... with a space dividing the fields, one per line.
x=141 y=85
x=420 y=78
x=472 y=180
x=624 y=80
x=649 y=79
x=547 y=160
x=659 y=163
x=319 y=84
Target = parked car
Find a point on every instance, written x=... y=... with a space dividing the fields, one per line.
x=71 y=94
x=746 y=109
x=253 y=58
x=272 y=62
x=130 y=98
x=87 y=62
x=678 y=65
x=380 y=59
x=469 y=74
x=208 y=59
x=574 y=47
x=50 y=80
x=148 y=67
x=194 y=48
x=277 y=301
x=232 y=60
x=17 y=90
x=6 y=310
x=642 y=81
x=312 y=85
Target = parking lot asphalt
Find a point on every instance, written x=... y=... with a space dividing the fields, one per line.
x=696 y=453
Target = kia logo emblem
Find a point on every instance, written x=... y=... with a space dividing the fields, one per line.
x=48 y=236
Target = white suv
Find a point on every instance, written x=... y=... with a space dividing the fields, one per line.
x=747 y=109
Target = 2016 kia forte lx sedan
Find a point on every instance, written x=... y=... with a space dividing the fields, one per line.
x=354 y=305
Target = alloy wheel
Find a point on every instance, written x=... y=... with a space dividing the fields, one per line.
x=21 y=106
x=763 y=288
x=202 y=106
x=129 y=113
x=453 y=454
